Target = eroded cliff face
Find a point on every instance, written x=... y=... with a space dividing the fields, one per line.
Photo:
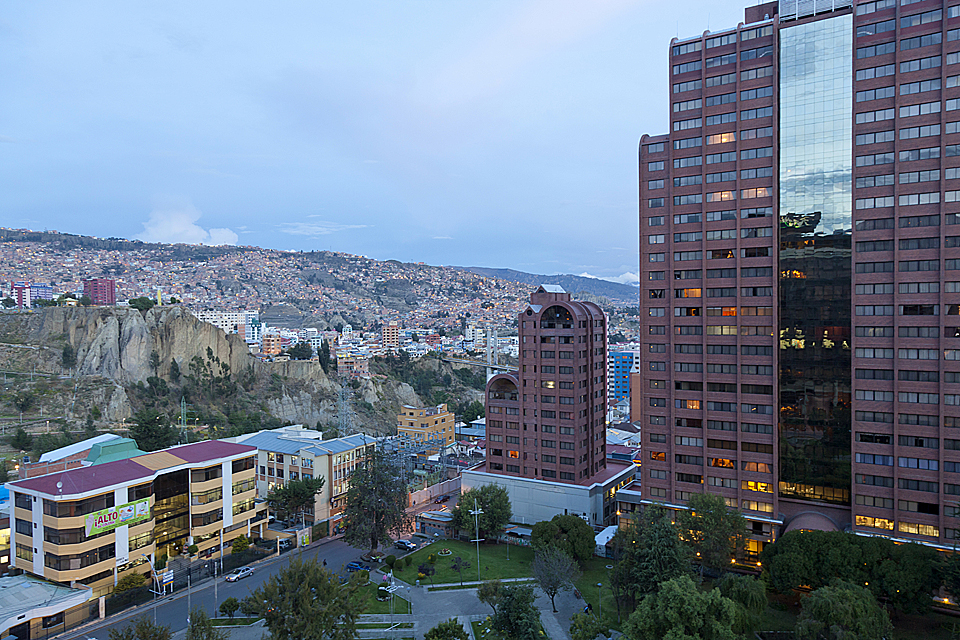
x=116 y=344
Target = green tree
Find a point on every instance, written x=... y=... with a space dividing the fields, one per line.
x=460 y=565
x=712 y=531
x=324 y=356
x=586 y=627
x=301 y=351
x=680 y=611
x=303 y=601
x=68 y=357
x=4 y=474
x=86 y=300
x=489 y=593
x=152 y=430
x=21 y=440
x=9 y=303
x=174 y=371
x=143 y=628
x=291 y=499
x=516 y=617
x=426 y=570
x=154 y=361
x=130 y=581
x=240 y=544
x=229 y=607
x=142 y=303
x=651 y=553
x=201 y=627
x=842 y=611
x=493 y=500
x=750 y=596
x=555 y=571
x=376 y=502
x=24 y=401
x=449 y=630
x=568 y=533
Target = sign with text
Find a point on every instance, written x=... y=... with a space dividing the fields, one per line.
x=110 y=519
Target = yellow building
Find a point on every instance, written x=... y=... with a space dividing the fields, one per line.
x=421 y=424
x=94 y=524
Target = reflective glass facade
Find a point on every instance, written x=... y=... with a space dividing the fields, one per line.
x=815 y=172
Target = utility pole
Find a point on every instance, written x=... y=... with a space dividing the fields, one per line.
x=475 y=512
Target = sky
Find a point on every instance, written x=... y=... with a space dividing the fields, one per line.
x=498 y=134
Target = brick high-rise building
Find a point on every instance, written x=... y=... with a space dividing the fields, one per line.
x=549 y=419
x=103 y=291
x=546 y=423
x=800 y=271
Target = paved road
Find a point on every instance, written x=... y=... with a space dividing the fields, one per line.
x=172 y=610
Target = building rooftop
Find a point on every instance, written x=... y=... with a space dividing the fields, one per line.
x=77 y=447
x=25 y=598
x=113 y=450
x=100 y=476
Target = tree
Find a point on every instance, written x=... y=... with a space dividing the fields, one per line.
x=842 y=611
x=68 y=357
x=240 y=544
x=201 y=627
x=376 y=502
x=489 y=593
x=555 y=571
x=303 y=601
x=460 y=565
x=651 y=554
x=21 y=440
x=142 y=303
x=294 y=497
x=426 y=570
x=680 y=611
x=712 y=531
x=449 y=630
x=323 y=354
x=568 y=533
x=301 y=351
x=24 y=401
x=130 y=581
x=142 y=629
x=750 y=596
x=86 y=300
x=493 y=500
x=174 y=371
x=516 y=617
x=229 y=607
x=9 y=303
x=4 y=475
x=586 y=627
x=154 y=361
x=152 y=430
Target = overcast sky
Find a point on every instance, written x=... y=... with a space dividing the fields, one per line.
x=486 y=133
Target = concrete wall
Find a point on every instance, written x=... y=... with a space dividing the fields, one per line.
x=536 y=500
x=434 y=491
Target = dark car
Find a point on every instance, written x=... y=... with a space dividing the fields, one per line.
x=441 y=499
x=356 y=566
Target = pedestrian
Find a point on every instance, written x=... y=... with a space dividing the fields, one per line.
x=324 y=563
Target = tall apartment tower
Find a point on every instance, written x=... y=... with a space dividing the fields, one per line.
x=102 y=291
x=548 y=420
x=801 y=274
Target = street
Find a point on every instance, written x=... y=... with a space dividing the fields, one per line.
x=172 y=609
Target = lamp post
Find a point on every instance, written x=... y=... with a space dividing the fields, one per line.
x=156 y=588
x=599 y=601
x=475 y=512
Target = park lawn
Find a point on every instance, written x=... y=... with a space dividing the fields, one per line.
x=594 y=571
x=375 y=606
x=493 y=562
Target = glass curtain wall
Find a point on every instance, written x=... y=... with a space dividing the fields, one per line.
x=816 y=81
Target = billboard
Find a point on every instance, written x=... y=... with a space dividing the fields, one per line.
x=110 y=519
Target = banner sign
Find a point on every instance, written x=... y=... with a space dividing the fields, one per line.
x=110 y=519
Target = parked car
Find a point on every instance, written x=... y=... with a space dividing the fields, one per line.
x=286 y=543
x=356 y=566
x=239 y=574
x=441 y=499
x=405 y=544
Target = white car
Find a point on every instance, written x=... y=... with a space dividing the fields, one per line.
x=238 y=574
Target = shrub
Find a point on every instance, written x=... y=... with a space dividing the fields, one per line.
x=130 y=581
x=390 y=561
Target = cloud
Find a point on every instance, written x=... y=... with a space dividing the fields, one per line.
x=173 y=223
x=623 y=278
x=318 y=228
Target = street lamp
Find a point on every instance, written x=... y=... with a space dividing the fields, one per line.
x=599 y=601
x=156 y=589
x=475 y=512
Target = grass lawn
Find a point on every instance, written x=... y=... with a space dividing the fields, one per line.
x=232 y=622
x=493 y=562
x=596 y=571
x=375 y=606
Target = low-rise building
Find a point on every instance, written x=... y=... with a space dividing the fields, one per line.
x=94 y=524
x=294 y=453
x=426 y=423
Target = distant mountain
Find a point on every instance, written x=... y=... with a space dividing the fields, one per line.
x=622 y=294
